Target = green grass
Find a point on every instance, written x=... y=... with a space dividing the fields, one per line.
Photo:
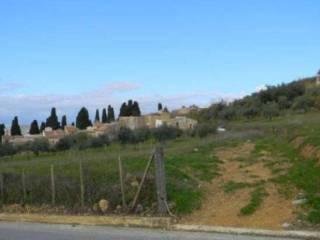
x=188 y=161
x=256 y=200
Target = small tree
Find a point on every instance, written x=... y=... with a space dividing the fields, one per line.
x=97 y=117
x=104 y=116
x=270 y=110
x=52 y=121
x=83 y=121
x=15 y=128
x=159 y=106
x=34 y=128
x=111 y=117
x=135 y=109
x=123 y=110
x=43 y=126
x=2 y=131
x=63 y=121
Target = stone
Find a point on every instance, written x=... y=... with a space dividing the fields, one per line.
x=299 y=201
x=134 y=184
x=103 y=205
x=286 y=225
x=139 y=209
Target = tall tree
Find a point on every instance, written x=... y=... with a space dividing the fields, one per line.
x=159 y=106
x=34 y=128
x=97 y=117
x=42 y=126
x=165 y=109
x=2 y=131
x=135 y=109
x=15 y=128
x=52 y=121
x=63 y=121
x=123 y=110
x=111 y=117
x=130 y=108
x=83 y=121
x=104 y=116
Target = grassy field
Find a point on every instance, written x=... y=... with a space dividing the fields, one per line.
x=190 y=162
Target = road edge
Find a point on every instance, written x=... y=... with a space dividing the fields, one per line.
x=164 y=223
x=247 y=231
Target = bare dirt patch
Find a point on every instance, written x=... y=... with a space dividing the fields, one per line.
x=221 y=208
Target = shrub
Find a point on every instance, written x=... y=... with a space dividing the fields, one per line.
x=205 y=129
x=165 y=133
x=65 y=143
x=302 y=103
x=142 y=134
x=126 y=136
x=270 y=110
x=7 y=149
x=39 y=145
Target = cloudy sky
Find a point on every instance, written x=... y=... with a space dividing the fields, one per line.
x=77 y=53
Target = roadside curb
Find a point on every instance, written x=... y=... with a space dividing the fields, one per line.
x=246 y=231
x=124 y=221
x=164 y=223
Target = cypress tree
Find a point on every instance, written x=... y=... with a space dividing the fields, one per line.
x=63 y=121
x=130 y=108
x=83 y=121
x=135 y=109
x=111 y=117
x=104 y=116
x=15 y=128
x=165 y=109
x=124 y=111
x=43 y=126
x=2 y=131
x=97 y=117
x=34 y=128
x=159 y=106
x=52 y=121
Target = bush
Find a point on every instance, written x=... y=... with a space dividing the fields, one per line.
x=205 y=129
x=270 y=110
x=65 y=143
x=142 y=134
x=126 y=136
x=39 y=145
x=7 y=149
x=165 y=133
x=302 y=103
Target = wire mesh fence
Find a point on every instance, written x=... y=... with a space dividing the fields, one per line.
x=78 y=187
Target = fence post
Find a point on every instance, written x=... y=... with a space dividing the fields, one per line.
x=24 y=186
x=1 y=188
x=142 y=181
x=81 y=183
x=160 y=181
x=53 y=186
x=124 y=205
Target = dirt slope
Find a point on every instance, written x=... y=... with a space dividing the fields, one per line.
x=220 y=208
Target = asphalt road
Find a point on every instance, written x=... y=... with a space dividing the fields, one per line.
x=31 y=231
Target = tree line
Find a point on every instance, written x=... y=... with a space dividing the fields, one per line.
x=130 y=108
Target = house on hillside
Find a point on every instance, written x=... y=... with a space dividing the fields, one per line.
x=182 y=122
x=132 y=122
x=53 y=136
x=155 y=120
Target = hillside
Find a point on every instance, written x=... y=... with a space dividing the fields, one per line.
x=296 y=97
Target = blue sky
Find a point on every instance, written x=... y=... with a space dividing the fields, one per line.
x=94 y=53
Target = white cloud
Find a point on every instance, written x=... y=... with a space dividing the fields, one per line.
x=261 y=88
x=29 y=107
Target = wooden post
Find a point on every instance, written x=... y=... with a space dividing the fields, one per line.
x=53 y=186
x=124 y=205
x=142 y=182
x=24 y=191
x=81 y=183
x=160 y=181
x=1 y=187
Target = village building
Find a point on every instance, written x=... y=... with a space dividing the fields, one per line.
x=132 y=122
x=53 y=136
x=183 y=123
